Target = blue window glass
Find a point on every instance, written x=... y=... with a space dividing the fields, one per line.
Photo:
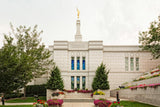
x=72 y=63
x=78 y=82
x=72 y=82
x=78 y=63
x=83 y=82
x=83 y=63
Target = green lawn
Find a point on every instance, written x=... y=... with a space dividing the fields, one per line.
x=133 y=104
x=24 y=100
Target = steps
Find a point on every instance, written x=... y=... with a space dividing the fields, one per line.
x=78 y=99
x=77 y=95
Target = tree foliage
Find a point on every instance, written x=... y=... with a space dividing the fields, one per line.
x=55 y=82
x=22 y=60
x=150 y=40
x=100 y=80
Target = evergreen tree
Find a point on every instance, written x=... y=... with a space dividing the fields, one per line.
x=55 y=82
x=100 y=80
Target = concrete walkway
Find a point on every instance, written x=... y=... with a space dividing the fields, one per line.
x=69 y=104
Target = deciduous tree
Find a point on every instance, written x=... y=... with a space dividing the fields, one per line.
x=150 y=40
x=24 y=59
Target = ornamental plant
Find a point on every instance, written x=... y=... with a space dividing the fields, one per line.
x=55 y=102
x=100 y=80
x=98 y=93
x=116 y=104
x=40 y=103
x=55 y=82
x=102 y=103
x=55 y=94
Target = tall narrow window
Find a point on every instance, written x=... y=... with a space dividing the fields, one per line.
x=78 y=63
x=72 y=63
x=78 y=82
x=83 y=82
x=137 y=64
x=72 y=82
x=84 y=63
x=132 y=64
x=126 y=63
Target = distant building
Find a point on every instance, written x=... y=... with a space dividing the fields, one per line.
x=78 y=61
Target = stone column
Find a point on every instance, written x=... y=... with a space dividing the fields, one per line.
x=75 y=81
x=80 y=82
x=86 y=82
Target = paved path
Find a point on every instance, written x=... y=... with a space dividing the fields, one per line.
x=68 y=104
x=82 y=104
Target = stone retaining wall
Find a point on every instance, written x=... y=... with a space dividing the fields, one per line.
x=147 y=81
x=149 y=95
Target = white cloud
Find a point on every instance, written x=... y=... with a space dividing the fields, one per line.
x=113 y=21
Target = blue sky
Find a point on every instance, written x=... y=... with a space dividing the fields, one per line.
x=116 y=22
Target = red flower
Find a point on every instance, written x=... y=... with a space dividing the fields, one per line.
x=118 y=102
x=114 y=102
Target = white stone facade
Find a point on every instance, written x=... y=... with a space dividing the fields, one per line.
x=95 y=53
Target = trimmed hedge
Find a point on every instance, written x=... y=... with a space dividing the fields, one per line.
x=13 y=95
x=39 y=90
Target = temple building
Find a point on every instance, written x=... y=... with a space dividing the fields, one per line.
x=78 y=61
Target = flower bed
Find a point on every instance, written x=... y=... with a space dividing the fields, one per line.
x=55 y=102
x=40 y=103
x=156 y=70
x=148 y=77
x=144 y=86
x=102 y=103
x=98 y=95
x=85 y=91
x=69 y=91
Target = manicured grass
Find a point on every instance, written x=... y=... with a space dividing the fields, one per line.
x=133 y=104
x=24 y=100
x=17 y=106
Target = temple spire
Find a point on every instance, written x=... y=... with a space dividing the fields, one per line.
x=78 y=36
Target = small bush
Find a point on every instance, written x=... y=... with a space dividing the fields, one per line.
x=98 y=93
x=13 y=95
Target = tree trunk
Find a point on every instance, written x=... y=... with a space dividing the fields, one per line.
x=25 y=91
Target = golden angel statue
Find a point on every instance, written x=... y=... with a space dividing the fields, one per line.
x=78 y=12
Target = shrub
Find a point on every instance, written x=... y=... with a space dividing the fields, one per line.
x=100 y=80
x=39 y=90
x=98 y=93
x=55 y=82
x=13 y=95
x=55 y=94
x=102 y=103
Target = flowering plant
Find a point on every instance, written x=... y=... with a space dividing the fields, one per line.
x=61 y=93
x=98 y=93
x=53 y=102
x=116 y=104
x=153 y=71
x=40 y=103
x=85 y=91
x=134 y=87
x=69 y=91
x=102 y=103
